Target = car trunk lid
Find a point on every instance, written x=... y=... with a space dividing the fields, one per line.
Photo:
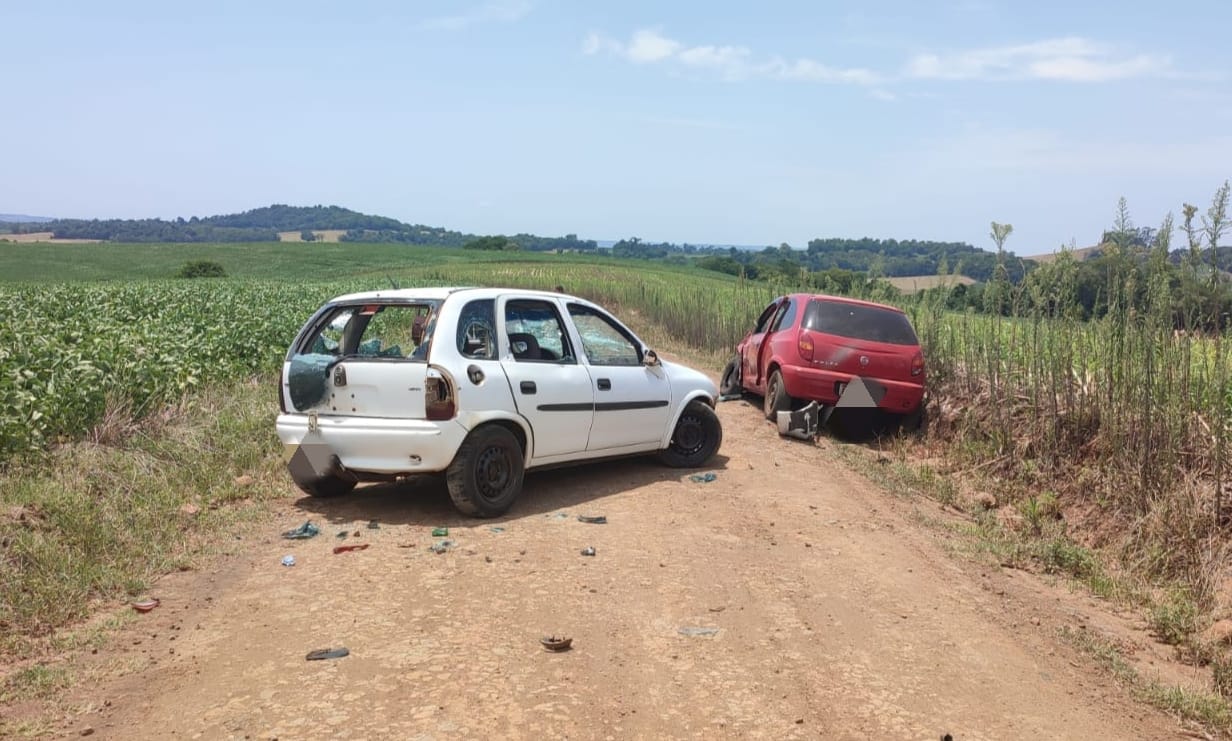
x=861 y=340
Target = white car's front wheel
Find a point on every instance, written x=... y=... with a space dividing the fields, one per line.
x=486 y=474
x=697 y=437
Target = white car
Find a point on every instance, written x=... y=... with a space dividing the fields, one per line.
x=482 y=384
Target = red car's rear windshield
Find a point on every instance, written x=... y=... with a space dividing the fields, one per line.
x=859 y=322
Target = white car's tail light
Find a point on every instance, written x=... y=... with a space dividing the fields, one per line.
x=439 y=400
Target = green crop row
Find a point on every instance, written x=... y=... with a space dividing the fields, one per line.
x=67 y=351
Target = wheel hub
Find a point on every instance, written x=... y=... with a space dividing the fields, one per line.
x=493 y=472
x=689 y=435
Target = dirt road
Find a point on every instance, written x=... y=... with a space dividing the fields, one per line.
x=834 y=615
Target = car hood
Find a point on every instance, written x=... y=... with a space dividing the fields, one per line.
x=684 y=379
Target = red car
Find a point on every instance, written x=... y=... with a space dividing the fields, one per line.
x=811 y=347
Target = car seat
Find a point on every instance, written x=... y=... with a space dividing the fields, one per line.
x=524 y=346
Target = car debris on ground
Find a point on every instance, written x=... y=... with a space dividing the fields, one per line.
x=695 y=631
x=593 y=519
x=556 y=644
x=327 y=653
x=146 y=605
x=802 y=424
x=307 y=530
x=704 y=478
x=349 y=548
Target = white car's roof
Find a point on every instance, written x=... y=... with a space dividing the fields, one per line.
x=439 y=293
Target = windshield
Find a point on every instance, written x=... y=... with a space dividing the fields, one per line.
x=859 y=322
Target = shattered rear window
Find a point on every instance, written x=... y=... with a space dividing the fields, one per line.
x=373 y=331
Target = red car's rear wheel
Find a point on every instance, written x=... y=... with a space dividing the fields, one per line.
x=776 y=399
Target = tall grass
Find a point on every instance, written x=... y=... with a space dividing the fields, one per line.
x=1125 y=415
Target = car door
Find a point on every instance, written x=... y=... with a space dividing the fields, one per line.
x=551 y=388
x=632 y=400
x=751 y=366
x=780 y=339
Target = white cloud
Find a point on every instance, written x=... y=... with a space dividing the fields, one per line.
x=1069 y=59
x=495 y=11
x=881 y=94
x=650 y=46
x=812 y=71
x=721 y=57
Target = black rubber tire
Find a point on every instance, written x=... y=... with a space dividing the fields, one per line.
x=776 y=399
x=486 y=474
x=915 y=422
x=729 y=382
x=330 y=486
x=696 y=439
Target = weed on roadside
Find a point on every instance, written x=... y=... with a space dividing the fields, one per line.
x=1211 y=710
x=100 y=522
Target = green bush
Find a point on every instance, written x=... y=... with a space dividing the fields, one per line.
x=202 y=269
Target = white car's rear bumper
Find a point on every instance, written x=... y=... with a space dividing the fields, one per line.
x=376 y=444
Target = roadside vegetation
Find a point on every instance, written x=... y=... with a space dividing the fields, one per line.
x=1079 y=410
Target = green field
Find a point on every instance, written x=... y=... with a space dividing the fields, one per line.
x=42 y=263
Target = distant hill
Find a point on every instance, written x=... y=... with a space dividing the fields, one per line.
x=24 y=219
x=908 y=257
x=265 y=224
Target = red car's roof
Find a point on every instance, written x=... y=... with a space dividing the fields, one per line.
x=845 y=300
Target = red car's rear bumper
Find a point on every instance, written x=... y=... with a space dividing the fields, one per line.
x=901 y=397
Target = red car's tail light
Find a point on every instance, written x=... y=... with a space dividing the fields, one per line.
x=805 y=346
x=917 y=364
x=439 y=402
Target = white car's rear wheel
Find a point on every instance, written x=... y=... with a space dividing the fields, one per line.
x=327 y=486
x=486 y=474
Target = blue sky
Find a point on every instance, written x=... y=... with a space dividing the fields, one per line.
x=687 y=121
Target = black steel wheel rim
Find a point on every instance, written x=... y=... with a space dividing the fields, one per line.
x=690 y=435
x=493 y=472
